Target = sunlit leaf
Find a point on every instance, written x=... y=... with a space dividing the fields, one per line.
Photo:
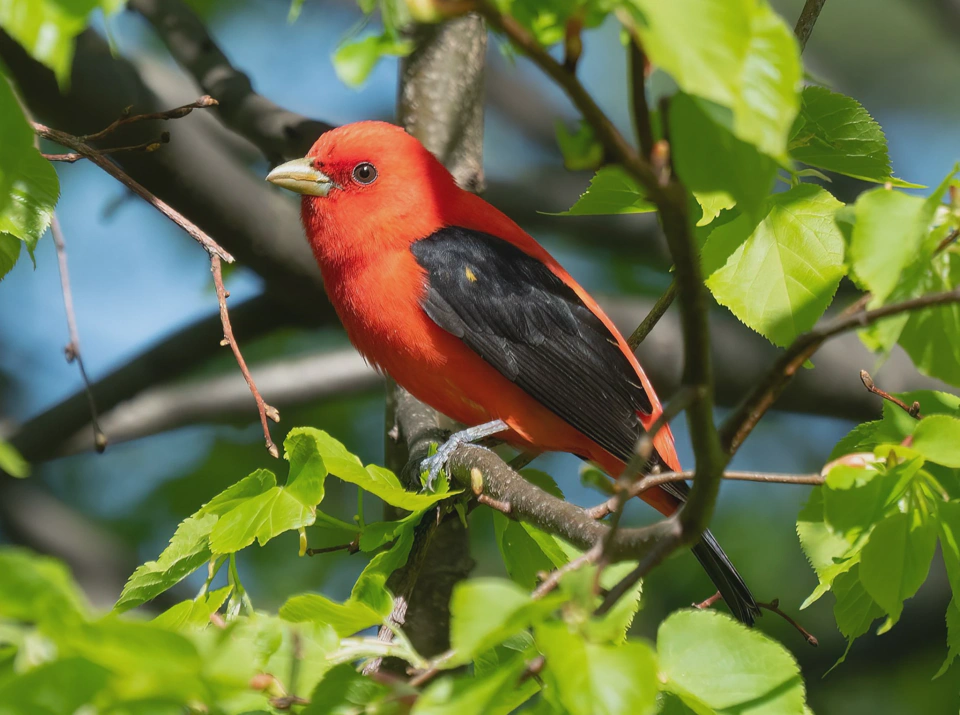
x=779 y=276
x=709 y=658
x=597 y=679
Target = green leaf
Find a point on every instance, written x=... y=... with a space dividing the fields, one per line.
x=476 y=627
x=195 y=613
x=580 y=149
x=522 y=555
x=188 y=550
x=370 y=601
x=9 y=253
x=47 y=28
x=612 y=191
x=887 y=235
x=938 y=439
x=11 y=461
x=376 y=480
x=829 y=553
x=835 y=133
x=715 y=165
x=59 y=688
x=736 y=53
x=344 y=691
x=953 y=635
x=354 y=61
x=38 y=589
x=949 y=523
x=28 y=183
x=779 y=278
x=346 y=618
x=594 y=679
x=709 y=658
x=854 y=610
x=931 y=337
x=473 y=695
x=857 y=499
x=896 y=560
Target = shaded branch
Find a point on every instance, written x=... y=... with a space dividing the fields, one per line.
x=741 y=422
x=72 y=349
x=277 y=132
x=653 y=317
x=806 y=21
x=97 y=157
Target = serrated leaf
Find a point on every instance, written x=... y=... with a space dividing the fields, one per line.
x=475 y=627
x=828 y=552
x=595 y=679
x=194 y=613
x=854 y=610
x=612 y=191
x=188 y=550
x=949 y=523
x=378 y=481
x=709 y=658
x=9 y=253
x=343 y=691
x=953 y=635
x=718 y=168
x=937 y=438
x=346 y=618
x=835 y=133
x=896 y=559
x=736 y=53
x=886 y=238
x=779 y=276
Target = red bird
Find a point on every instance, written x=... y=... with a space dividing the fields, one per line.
x=470 y=314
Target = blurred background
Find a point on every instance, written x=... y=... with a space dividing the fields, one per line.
x=143 y=295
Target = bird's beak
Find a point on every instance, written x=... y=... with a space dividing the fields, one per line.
x=301 y=177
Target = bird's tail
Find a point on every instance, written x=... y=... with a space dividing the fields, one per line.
x=725 y=577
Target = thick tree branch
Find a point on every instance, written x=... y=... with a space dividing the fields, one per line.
x=277 y=132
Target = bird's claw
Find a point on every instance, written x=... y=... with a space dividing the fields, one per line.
x=435 y=463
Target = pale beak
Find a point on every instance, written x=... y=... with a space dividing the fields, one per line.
x=301 y=177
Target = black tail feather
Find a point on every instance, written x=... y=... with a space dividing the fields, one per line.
x=725 y=577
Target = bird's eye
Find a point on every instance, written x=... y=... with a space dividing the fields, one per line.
x=365 y=173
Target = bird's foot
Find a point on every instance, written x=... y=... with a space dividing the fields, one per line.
x=434 y=464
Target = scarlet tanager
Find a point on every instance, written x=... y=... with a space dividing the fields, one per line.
x=469 y=313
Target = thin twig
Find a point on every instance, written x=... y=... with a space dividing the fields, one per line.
x=774 y=607
x=351 y=548
x=912 y=410
x=650 y=481
x=72 y=350
x=552 y=580
x=266 y=411
x=808 y=18
x=653 y=317
x=126 y=118
x=947 y=241
x=744 y=418
x=97 y=157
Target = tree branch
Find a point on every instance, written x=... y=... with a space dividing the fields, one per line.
x=277 y=132
x=97 y=157
x=741 y=422
x=72 y=349
x=653 y=317
x=808 y=18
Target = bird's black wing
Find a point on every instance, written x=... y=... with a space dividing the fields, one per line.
x=512 y=311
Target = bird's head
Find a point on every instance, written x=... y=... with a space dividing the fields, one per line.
x=364 y=185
